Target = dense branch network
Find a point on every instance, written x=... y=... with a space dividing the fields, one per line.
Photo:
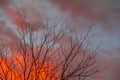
x=52 y=53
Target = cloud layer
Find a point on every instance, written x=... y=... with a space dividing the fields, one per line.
x=105 y=11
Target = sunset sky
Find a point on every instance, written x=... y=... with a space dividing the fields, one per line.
x=80 y=13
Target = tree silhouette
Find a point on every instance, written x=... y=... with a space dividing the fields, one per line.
x=52 y=53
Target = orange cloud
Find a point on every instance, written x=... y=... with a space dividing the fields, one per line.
x=13 y=67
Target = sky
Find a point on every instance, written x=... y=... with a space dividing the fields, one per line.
x=80 y=13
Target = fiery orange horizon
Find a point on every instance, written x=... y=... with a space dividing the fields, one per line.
x=13 y=67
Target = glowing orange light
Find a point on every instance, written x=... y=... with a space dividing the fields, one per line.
x=11 y=68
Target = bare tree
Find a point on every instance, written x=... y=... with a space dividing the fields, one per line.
x=53 y=53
